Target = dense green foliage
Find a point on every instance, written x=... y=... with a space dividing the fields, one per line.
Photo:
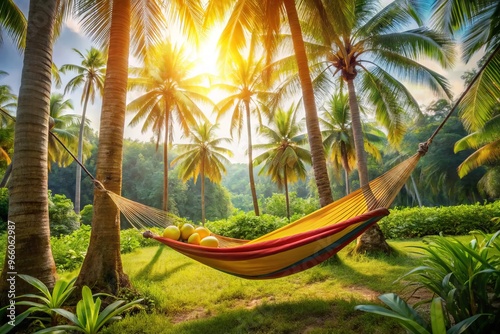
x=465 y=280
x=63 y=219
x=246 y=225
x=86 y=214
x=465 y=275
x=453 y=220
x=69 y=250
x=299 y=207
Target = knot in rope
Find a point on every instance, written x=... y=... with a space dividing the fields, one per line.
x=423 y=148
x=148 y=234
x=98 y=185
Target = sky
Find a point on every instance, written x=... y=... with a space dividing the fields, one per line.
x=73 y=37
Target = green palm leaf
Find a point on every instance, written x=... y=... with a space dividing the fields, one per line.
x=14 y=22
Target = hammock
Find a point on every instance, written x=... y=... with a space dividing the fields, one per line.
x=295 y=247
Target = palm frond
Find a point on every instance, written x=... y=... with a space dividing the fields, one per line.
x=416 y=44
x=477 y=106
x=14 y=22
x=488 y=154
x=396 y=15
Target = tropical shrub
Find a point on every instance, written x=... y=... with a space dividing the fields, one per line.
x=246 y=225
x=453 y=220
x=63 y=219
x=48 y=300
x=89 y=318
x=299 y=207
x=86 y=214
x=131 y=239
x=465 y=276
x=410 y=320
x=466 y=280
x=70 y=250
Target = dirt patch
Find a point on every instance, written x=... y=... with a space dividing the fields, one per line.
x=198 y=313
x=366 y=293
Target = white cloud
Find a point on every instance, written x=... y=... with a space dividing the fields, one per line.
x=74 y=25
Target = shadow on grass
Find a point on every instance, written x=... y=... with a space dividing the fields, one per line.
x=358 y=272
x=318 y=316
x=146 y=272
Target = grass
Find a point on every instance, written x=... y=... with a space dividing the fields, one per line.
x=190 y=297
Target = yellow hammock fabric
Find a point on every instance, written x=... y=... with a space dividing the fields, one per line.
x=296 y=246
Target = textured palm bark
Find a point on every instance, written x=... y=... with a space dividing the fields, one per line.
x=28 y=200
x=312 y=123
x=357 y=133
x=102 y=267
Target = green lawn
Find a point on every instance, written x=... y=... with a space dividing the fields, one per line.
x=192 y=298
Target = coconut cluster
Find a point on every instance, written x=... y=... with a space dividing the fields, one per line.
x=188 y=233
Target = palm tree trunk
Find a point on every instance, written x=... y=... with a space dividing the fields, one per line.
x=102 y=268
x=346 y=177
x=80 y=152
x=357 y=133
x=345 y=166
x=312 y=123
x=28 y=200
x=372 y=240
x=165 y=163
x=250 y=161
x=287 y=198
x=202 y=175
x=417 y=194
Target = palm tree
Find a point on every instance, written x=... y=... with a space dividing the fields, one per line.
x=265 y=16
x=171 y=92
x=13 y=21
x=8 y=104
x=65 y=127
x=244 y=83
x=116 y=23
x=338 y=137
x=90 y=75
x=367 y=49
x=28 y=200
x=477 y=23
x=284 y=157
x=204 y=157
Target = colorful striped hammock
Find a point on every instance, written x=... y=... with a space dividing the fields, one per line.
x=296 y=246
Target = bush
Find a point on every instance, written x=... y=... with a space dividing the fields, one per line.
x=70 y=250
x=131 y=239
x=453 y=220
x=246 y=225
x=464 y=280
x=63 y=219
x=86 y=214
x=299 y=207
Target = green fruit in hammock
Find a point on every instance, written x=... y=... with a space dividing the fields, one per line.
x=202 y=231
x=209 y=241
x=172 y=232
x=186 y=231
x=194 y=239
